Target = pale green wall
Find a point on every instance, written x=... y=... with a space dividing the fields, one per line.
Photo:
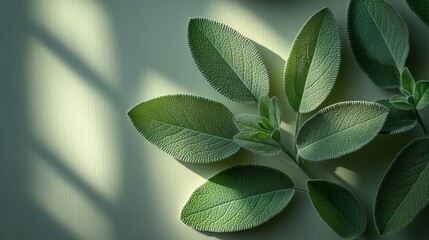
x=73 y=167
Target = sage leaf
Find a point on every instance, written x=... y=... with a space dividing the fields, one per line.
x=398 y=120
x=421 y=94
x=271 y=109
x=259 y=142
x=229 y=61
x=340 y=129
x=191 y=129
x=238 y=198
x=404 y=190
x=250 y=122
x=313 y=63
x=401 y=102
x=338 y=208
x=420 y=8
x=407 y=82
x=379 y=40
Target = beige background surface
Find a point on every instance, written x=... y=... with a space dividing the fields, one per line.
x=73 y=167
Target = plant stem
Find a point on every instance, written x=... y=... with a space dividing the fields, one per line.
x=287 y=152
x=300 y=189
x=295 y=160
x=419 y=119
x=298 y=118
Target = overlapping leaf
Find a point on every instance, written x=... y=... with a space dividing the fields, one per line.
x=238 y=198
x=340 y=129
x=421 y=94
x=338 y=208
x=228 y=60
x=404 y=190
x=398 y=120
x=191 y=129
x=379 y=39
x=313 y=63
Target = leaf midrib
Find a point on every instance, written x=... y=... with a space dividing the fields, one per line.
x=236 y=74
x=240 y=199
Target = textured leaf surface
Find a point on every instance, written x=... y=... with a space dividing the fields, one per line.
x=189 y=128
x=238 y=198
x=379 y=39
x=338 y=208
x=398 y=120
x=402 y=102
x=407 y=82
x=404 y=190
x=228 y=60
x=271 y=109
x=258 y=142
x=340 y=129
x=421 y=94
x=421 y=8
x=313 y=63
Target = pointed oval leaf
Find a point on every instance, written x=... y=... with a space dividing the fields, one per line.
x=407 y=82
x=250 y=122
x=228 y=60
x=238 y=198
x=401 y=102
x=421 y=94
x=338 y=208
x=313 y=63
x=272 y=110
x=340 y=129
x=404 y=190
x=261 y=143
x=398 y=120
x=421 y=9
x=191 y=129
x=379 y=39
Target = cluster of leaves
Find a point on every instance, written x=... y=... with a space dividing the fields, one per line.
x=199 y=130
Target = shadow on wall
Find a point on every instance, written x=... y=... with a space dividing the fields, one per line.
x=145 y=41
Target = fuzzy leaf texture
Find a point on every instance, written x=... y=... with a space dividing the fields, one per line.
x=229 y=61
x=191 y=129
x=340 y=129
x=338 y=208
x=421 y=94
x=404 y=190
x=402 y=102
x=421 y=9
x=313 y=63
x=398 y=120
x=257 y=135
x=379 y=40
x=271 y=109
x=407 y=82
x=238 y=198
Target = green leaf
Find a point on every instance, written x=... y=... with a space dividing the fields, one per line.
x=250 y=122
x=379 y=39
x=421 y=94
x=401 y=102
x=398 y=120
x=261 y=143
x=238 y=198
x=340 y=129
x=271 y=109
x=338 y=208
x=404 y=190
x=191 y=129
x=421 y=9
x=407 y=82
x=313 y=63
x=228 y=60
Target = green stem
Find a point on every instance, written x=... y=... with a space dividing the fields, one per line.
x=287 y=152
x=298 y=118
x=300 y=189
x=419 y=119
x=295 y=160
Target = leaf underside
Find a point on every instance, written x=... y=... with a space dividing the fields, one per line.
x=228 y=60
x=421 y=9
x=191 y=129
x=379 y=39
x=398 y=120
x=313 y=63
x=340 y=129
x=404 y=190
x=238 y=198
x=338 y=208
